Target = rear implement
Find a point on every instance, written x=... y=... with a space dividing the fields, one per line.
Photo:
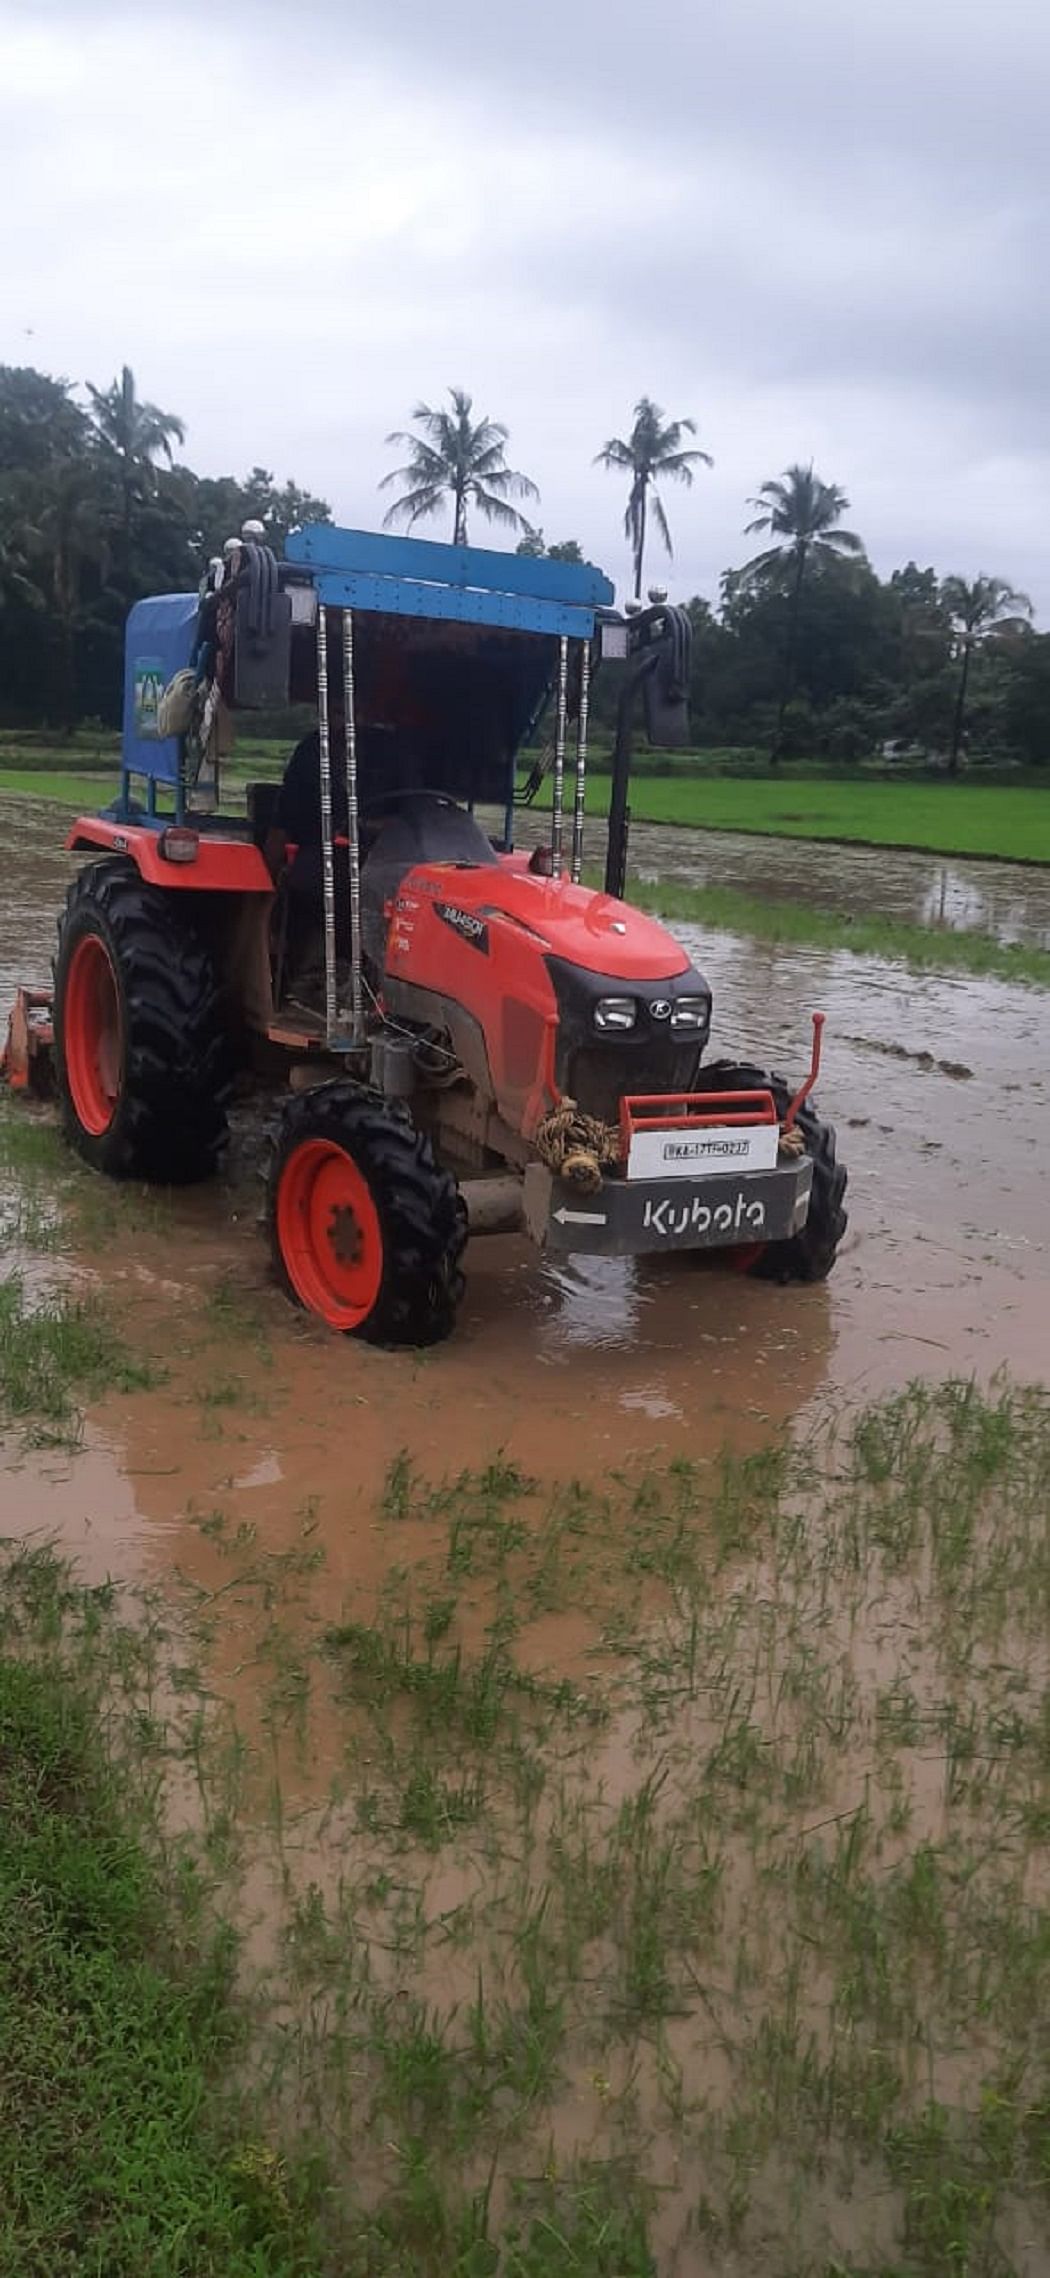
x=27 y=1056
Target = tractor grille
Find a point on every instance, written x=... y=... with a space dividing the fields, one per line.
x=595 y=1067
x=598 y=1075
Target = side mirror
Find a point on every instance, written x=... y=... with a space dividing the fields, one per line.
x=263 y=635
x=666 y=687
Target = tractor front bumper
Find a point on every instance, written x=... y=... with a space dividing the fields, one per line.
x=629 y=1216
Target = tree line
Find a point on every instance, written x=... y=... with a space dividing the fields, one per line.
x=95 y=512
x=804 y=652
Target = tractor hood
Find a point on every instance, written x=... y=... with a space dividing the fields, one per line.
x=573 y=923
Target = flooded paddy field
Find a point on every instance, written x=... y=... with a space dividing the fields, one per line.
x=623 y=1727
x=940 y=1102
x=1010 y=900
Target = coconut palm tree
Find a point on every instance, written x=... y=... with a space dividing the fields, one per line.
x=137 y=434
x=983 y=611
x=652 y=452
x=804 y=513
x=455 y=458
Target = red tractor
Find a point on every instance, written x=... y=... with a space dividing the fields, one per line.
x=470 y=1039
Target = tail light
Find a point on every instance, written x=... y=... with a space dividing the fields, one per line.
x=177 y=844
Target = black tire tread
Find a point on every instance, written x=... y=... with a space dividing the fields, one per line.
x=810 y=1254
x=170 y=1123
x=421 y=1212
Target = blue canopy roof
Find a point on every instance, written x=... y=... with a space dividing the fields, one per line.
x=470 y=585
x=369 y=571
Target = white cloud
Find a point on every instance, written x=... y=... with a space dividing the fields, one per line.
x=817 y=229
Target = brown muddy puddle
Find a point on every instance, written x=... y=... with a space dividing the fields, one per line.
x=939 y=1090
x=581 y=1368
x=37 y=871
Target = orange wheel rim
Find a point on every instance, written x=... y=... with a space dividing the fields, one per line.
x=92 y=1035
x=328 y=1233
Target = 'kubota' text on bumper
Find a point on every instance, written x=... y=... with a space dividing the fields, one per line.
x=628 y=1216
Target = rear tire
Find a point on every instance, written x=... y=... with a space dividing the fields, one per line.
x=810 y=1254
x=141 y=1054
x=366 y=1230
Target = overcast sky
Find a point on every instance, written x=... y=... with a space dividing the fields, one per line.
x=817 y=226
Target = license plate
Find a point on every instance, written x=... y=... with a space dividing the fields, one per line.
x=725 y=1149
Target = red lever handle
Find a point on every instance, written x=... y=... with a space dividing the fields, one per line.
x=805 y=1088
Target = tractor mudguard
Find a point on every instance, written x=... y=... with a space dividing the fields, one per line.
x=216 y=865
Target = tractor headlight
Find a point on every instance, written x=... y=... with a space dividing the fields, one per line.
x=615 y=1012
x=691 y=1012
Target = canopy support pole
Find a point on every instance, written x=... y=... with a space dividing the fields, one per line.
x=581 y=762
x=357 y=1014
x=558 y=818
x=331 y=1008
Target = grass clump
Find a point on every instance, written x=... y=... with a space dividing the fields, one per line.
x=1008 y=821
x=49 y=1198
x=118 y=2031
x=31 y=1144
x=922 y=948
x=53 y=1350
x=450 y=1693
x=86 y=791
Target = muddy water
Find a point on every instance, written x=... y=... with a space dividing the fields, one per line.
x=940 y=1092
x=36 y=872
x=577 y=1368
x=1008 y=899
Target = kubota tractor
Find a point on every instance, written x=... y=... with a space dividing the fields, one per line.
x=468 y=1037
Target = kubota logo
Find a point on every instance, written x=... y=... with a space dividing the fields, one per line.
x=660 y=1008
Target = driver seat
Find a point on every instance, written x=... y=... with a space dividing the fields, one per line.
x=426 y=828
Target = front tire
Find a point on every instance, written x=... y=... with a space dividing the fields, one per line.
x=366 y=1230
x=810 y=1254
x=140 y=1050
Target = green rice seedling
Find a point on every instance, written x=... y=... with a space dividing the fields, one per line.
x=51 y=1351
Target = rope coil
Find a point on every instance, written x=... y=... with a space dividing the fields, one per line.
x=578 y=1147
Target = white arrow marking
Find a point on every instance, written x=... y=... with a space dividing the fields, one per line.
x=580 y=1217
